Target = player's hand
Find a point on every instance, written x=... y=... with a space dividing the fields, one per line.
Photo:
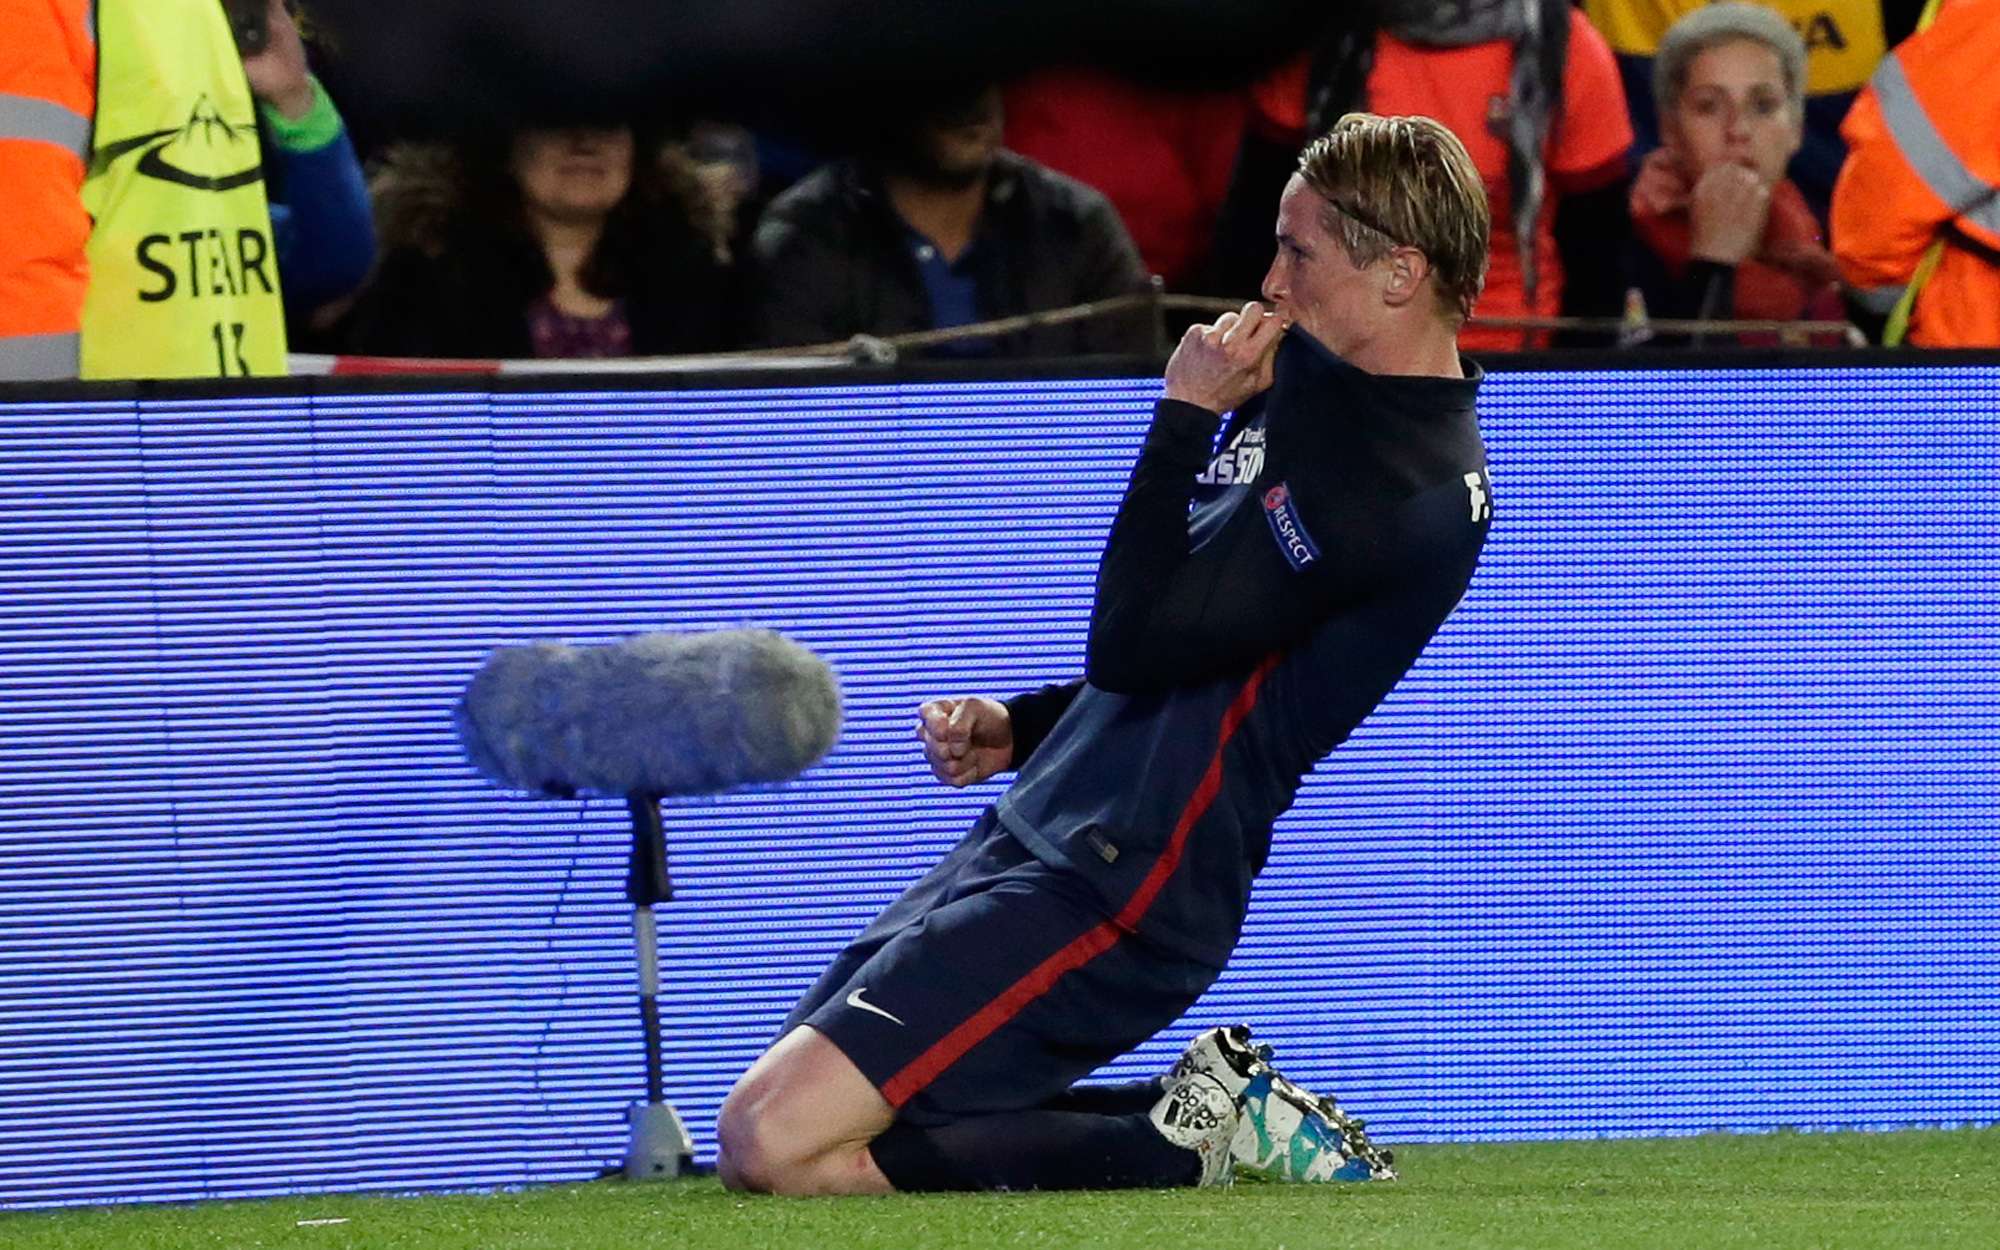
x=278 y=74
x=965 y=740
x=1727 y=214
x=1219 y=366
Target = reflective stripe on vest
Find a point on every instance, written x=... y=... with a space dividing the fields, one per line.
x=44 y=121
x=37 y=357
x=1926 y=151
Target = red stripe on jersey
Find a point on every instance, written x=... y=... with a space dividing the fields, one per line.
x=1197 y=805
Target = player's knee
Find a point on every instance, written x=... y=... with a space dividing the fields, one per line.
x=727 y=1172
x=766 y=1147
x=735 y=1141
x=798 y=1122
x=752 y=1159
x=753 y=1152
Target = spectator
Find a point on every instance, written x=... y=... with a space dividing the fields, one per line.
x=321 y=221
x=943 y=227
x=724 y=156
x=1531 y=92
x=1918 y=203
x=1162 y=155
x=1722 y=232
x=556 y=243
x=1844 y=41
x=140 y=238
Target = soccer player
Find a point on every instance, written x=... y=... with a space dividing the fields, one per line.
x=1262 y=588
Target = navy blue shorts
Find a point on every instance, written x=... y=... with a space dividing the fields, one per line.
x=993 y=984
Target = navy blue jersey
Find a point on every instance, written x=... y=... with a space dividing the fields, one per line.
x=1260 y=593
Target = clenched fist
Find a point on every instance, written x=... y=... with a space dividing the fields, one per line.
x=1727 y=214
x=965 y=740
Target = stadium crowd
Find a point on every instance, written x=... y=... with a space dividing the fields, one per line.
x=181 y=198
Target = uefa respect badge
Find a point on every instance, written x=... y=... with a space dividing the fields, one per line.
x=1282 y=511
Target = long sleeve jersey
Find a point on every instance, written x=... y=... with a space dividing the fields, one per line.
x=1254 y=603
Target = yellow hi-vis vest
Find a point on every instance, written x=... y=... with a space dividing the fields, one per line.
x=183 y=272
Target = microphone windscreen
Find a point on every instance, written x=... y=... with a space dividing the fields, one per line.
x=656 y=714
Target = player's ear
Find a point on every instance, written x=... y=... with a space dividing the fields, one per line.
x=1408 y=268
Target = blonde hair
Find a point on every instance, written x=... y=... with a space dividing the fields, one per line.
x=1404 y=182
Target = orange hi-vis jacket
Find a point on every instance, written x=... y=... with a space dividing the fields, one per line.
x=1923 y=167
x=48 y=86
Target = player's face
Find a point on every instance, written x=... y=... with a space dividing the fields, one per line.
x=1734 y=110
x=1312 y=284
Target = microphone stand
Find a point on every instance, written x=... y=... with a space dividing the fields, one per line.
x=660 y=1148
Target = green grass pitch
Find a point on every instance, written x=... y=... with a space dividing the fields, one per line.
x=1768 y=1192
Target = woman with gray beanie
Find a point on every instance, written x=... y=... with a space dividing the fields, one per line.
x=1721 y=232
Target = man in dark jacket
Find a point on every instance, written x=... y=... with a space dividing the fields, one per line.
x=941 y=227
x=1259 y=594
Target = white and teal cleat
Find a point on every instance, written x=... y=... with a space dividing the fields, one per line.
x=1353 y=1133
x=1286 y=1134
x=1198 y=1114
x=1226 y=1056
x=1320 y=1141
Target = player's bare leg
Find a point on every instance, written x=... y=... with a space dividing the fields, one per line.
x=799 y=1123
x=805 y=1121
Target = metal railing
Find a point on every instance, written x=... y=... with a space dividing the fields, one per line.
x=869 y=349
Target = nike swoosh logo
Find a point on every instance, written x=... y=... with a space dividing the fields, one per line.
x=854 y=999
